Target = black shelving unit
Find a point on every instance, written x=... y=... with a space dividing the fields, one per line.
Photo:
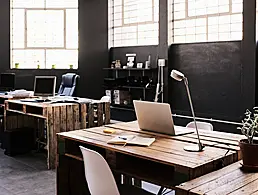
x=116 y=73
x=127 y=69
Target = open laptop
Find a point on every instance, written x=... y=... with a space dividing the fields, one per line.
x=157 y=117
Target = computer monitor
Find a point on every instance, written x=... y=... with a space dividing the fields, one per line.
x=7 y=81
x=44 y=85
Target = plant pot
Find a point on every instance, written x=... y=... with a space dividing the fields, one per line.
x=249 y=153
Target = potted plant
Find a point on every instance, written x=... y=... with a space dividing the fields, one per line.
x=249 y=146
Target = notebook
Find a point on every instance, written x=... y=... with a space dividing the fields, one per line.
x=131 y=140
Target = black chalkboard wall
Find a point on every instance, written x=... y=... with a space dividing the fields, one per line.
x=214 y=74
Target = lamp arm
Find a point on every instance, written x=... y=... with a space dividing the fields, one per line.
x=192 y=109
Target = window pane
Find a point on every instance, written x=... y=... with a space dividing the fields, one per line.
x=17 y=28
x=28 y=58
x=62 y=3
x=62 y=58
x=27 y=3
x=44 y=32
x=45 y=28
x=133 y=22
x=210 y=20
x=72 y=28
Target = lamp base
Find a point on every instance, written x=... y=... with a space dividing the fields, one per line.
x=195 y=148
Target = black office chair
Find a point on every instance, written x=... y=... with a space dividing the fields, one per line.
x=68 y=84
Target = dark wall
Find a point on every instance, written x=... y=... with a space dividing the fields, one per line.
x=214 y=72
x=142 y=53
x=93 y=49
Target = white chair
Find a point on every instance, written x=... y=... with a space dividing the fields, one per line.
x=100 y=178
x=105 y=99
x=200 y=125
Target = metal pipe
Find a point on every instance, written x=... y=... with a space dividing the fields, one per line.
x=207 y=119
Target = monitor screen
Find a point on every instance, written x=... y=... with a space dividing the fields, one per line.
x=7 y=81
x=44 y=85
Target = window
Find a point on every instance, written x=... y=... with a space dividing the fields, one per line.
x=256 y=20
x=133 y=22
x=44 y=33
x=205 y=20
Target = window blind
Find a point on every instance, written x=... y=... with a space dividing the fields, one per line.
x=205 y=20
x=45 y=33
x=133 y=22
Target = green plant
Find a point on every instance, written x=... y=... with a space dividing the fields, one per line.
x=250 y=124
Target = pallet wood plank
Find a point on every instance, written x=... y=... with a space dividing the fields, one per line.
x=56 y=129
x=50 y=130
x=90 y=115
x=69 y=114
x=83 y=116
x=100 y=114
x=107 y=113
x=229 y=180
x=76 y=117
x=63 y=118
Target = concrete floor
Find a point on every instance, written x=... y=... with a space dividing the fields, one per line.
x=28 y=175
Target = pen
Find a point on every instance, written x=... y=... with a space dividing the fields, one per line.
x=124 y=138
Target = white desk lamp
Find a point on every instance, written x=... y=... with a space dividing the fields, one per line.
x=178 y=76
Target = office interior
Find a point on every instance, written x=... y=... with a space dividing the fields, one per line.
x=221 y=71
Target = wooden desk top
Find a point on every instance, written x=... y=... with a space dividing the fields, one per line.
x=38 y=104
x=47 y=104
x=221 y=148
x=229 y=180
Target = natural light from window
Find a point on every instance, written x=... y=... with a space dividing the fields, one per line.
x=205 y=20
x=133 y=22
x=44 y=34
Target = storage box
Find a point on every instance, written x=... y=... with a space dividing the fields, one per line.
x=18 y=141
x=121 y=97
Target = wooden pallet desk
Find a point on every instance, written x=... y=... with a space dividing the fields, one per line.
x=3 y=98
x=164 y=163
x=55 y=118
x=229 y=180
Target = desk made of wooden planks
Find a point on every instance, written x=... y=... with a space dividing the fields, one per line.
x=3 y=98
x=164 y=163
x=49 y=119
x=229 y=180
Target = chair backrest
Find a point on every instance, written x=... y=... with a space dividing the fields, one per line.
x=98 y=174
x=201 y=125
x=105 y=99
x=68 y=84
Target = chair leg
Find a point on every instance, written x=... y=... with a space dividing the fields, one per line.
x=160 y=191
x=137 y=182
x=127 y=180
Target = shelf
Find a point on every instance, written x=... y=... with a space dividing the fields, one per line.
x=126 y=87
x=122 y=107
x=142 y=69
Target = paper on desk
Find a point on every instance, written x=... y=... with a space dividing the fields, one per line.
x=131 y=140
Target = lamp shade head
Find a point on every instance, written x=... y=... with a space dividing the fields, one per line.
x=175 y=74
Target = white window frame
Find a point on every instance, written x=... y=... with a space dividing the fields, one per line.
x=64 y=48
x=112 y=27
x=171 y=20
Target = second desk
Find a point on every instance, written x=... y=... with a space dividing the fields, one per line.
x=50 y=119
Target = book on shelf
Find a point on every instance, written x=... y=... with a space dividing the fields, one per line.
x=131 y=140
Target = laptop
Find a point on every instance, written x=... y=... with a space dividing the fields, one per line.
x=157 y=117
